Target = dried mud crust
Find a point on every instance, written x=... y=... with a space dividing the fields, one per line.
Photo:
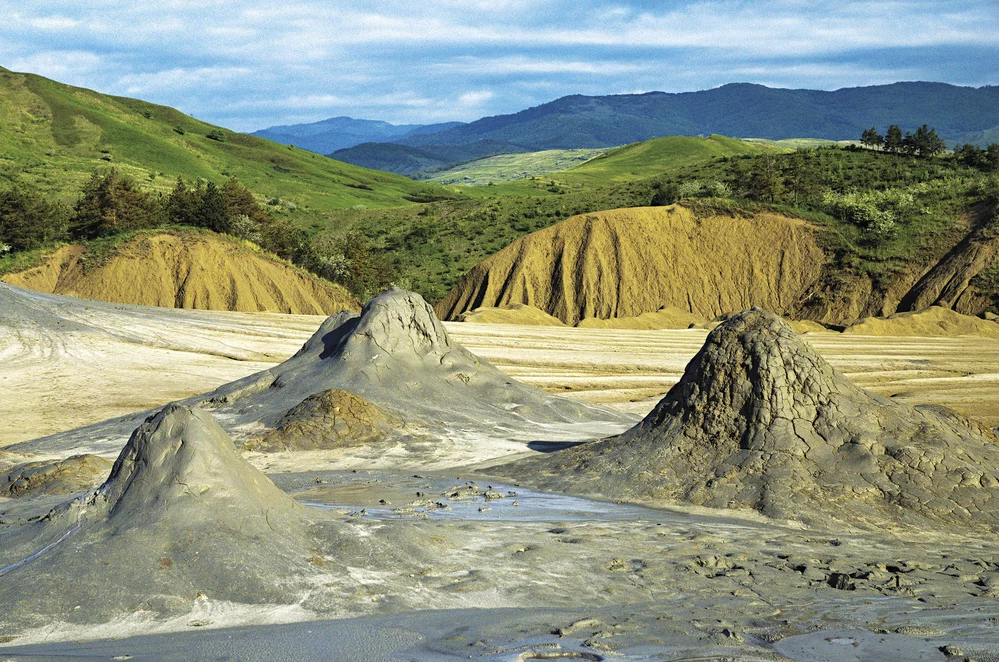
x=329 y=419
x=760 y=421
x=79 y=472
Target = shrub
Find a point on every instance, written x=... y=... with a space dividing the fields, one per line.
x=217 y=135
x=689 y=189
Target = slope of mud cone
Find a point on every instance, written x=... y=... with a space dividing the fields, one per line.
x=934 y=321
x=760 y=421
x=79 y=472
x=626 y=262
x=330 y=419
x=514 y=313
x=398 y=356
x=181 y=515
x=187 y=270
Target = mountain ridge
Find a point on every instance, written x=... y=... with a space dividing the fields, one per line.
x=334 y=133
x=747 y=110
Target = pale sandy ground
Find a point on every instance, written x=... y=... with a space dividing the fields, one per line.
x=51 y=382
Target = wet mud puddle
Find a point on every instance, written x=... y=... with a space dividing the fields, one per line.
x=394 y=496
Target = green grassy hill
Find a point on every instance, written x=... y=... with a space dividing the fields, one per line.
x=52 y=136
x=653 y=157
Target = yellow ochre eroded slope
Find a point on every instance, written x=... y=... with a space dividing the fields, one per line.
x=626 y=262
x=198 y=271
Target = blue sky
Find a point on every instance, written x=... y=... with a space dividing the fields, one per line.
x=248 y=65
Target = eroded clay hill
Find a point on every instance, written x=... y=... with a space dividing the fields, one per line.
x=626 y=262
x=181 y=514
x=187 y=270
x=760 y=421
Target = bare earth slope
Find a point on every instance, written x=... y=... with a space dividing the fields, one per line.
x=934 y=321
x=187 y=270
x=626 y=262
x=514 y=313
x=760 y=421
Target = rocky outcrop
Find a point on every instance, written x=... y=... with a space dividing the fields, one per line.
x=330 y=419
x=760 y=421
x=76 y=473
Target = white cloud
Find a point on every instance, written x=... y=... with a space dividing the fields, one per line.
x=178 y=79
x=265 y=62
x=71 y=66
x=476 y=99
x=53 y=23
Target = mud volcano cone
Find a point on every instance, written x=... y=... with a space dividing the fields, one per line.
x=182 y=515
x=398 y=359
x=760 y=421
x=180 y=463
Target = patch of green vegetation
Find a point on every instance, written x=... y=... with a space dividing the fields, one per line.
x=800 y=143
x=52 y=136
x=11 y=263
x=653 y=157
x=881 y=214
x=511 y=167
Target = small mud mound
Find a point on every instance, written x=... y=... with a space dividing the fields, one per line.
x=187 y=270
x=80 y=472
x=330 y=419
x=515 y=313
x=180 y=459
x=934 y=321
x=760 y=421
x=664 y=318
x=626 y=262
x=181 y=514
x=801 y=327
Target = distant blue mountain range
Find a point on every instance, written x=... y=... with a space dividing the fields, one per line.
x=741 y=110
x=328 y=136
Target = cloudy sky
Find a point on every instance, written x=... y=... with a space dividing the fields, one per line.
x=248 y=65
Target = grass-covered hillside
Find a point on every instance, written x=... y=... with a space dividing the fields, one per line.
x=885 y=219
x=52 y=137
x=653 y=157
x=598 y=167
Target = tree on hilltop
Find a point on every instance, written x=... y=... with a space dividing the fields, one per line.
x=893 y=139
x=871 y=138
x=110 y=203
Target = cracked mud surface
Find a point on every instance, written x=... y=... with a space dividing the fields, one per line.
x=759 y=420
